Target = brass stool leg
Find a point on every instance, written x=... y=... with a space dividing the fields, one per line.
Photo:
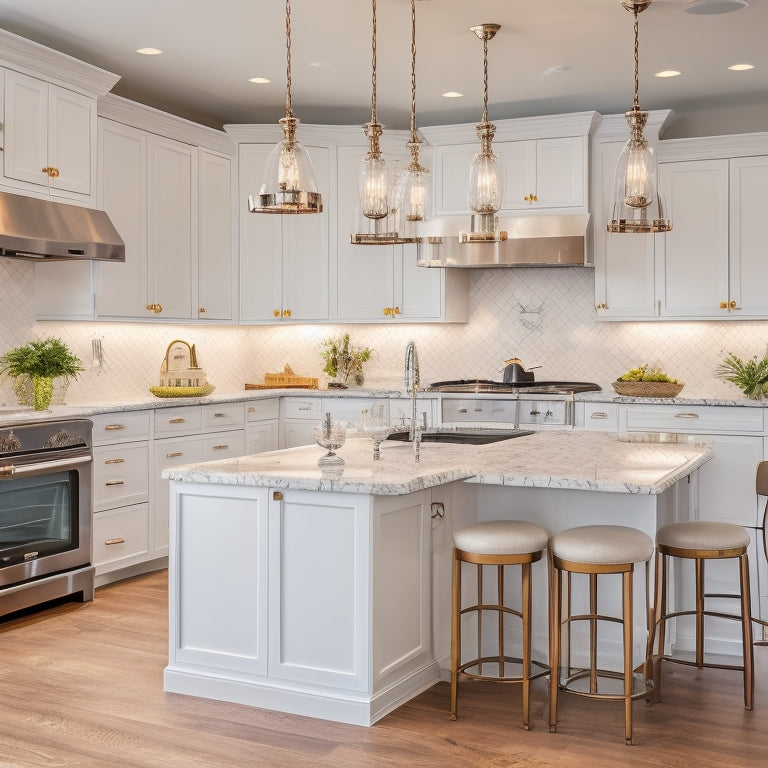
x=746 y=633
x=699 y=612
x=627 y=611
x=500 y=595
x=526 y=618
x=455 y=632
x=479 y=654
x=555 y=608
x=592 y=633
x=661 y=602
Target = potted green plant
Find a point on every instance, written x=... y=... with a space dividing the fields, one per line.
x=39 y=362
x=343 y=360
x=750 y=376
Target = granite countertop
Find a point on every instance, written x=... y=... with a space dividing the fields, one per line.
x=594 y=461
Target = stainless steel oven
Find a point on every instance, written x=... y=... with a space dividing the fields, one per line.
x=45 y=513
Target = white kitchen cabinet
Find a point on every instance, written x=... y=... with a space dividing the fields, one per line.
x=216 y=295
x=539 y=174
x=298 y=418
x=284 y=260
x=121 y=510
x=624 y=267
x=382 y=282
x=49 y=137
x=185 y=435
x=261 y=430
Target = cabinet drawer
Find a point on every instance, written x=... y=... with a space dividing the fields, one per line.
x=120 y=537
x=601 y=417
x=185 y=420
x=260 y=410
x=695 y=419
x=120 y=475
x=173 y=453
x=350 y=409
x=224 y=446
x=298 y=408
x=226 y=416
x=122 y=427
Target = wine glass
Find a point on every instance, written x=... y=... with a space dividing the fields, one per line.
x=377 y=428
x=330 y=435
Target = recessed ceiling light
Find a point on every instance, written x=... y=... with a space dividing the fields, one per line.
x=259 y=80
x=668 y=73
x=452 y=95
x=741 y=67
x=148 y=51
x=555 y=70
x=713 y=7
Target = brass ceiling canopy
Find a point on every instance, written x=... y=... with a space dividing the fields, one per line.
x=637 y=206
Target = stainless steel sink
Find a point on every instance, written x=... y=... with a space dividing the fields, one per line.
x=465 y=437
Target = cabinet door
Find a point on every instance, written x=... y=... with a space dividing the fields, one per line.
x=519 y=159
x=215 y=242
x=305 y=252
x=261 y=436
x=560 y=176
x=417 y=291
x=365 y=273
x=26 y=129
x=122 y=288
x=451 y=178
x=748 y=247
x=172 y=227
x=624 y=265
x=694 y=260
x=260 y=242
x=71 y=134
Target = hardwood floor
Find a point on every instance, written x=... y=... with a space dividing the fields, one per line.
x=82 y=685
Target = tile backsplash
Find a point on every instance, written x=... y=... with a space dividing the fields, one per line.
x=546 y=317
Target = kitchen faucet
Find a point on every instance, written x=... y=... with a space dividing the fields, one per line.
x=412 y=385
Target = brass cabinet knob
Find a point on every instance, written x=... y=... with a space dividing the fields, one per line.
x=156 y=308
x=201 y=310
x=532 y=198
x=723 y=305
x=50 y=171
x=387 y=311
x=731 y=304
x=602 y=305
x=391 y=311
x=286 y=313
x=276 y=313
x=396 y=310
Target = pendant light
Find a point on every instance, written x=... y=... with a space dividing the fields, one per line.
x=375 y=198
x=637 y=204
x=290 y=184
x=486 y=178
x=417 y=180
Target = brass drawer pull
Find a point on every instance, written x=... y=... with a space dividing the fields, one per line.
x=110 y=542
x=114 y=482
x=173 y=455
x=220 y=447
x=111 y=427
x=599 y=415
x=114 y=461
x=179 y=420
x=219 y=415
x=687 y=416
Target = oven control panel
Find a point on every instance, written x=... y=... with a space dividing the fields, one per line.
x=543 y=410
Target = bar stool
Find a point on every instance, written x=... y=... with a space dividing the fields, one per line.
x=596 y=550
x=498 y=543
x=700 y=540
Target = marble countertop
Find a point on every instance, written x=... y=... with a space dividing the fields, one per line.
x=594 y=461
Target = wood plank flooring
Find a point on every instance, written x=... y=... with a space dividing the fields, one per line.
x=81 y=685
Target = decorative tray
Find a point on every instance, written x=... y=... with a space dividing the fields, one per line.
x=206 y=389
x=662 y=389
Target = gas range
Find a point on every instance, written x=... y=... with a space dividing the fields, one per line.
x=483 y=386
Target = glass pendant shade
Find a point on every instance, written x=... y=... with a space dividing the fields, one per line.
x=374 y=203
x=415 y=196
x=486 y=184
x=290 y=184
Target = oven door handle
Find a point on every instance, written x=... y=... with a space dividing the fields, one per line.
x=42 y=466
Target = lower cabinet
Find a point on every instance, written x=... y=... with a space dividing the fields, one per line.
x=262 y=426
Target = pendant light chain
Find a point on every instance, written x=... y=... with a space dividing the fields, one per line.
x=288 y=106
x=637 y=60
x=485 y=78
x=413 y=71
x=373 y=67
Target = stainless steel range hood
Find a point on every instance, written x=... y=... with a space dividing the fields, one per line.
x=538 y=240
x=44 y=230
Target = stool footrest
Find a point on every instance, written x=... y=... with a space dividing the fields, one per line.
x=641 y=688
x=543 y=669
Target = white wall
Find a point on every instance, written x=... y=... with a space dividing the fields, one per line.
x=563 y=337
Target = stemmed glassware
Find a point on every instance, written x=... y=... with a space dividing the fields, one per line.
x=377 y=428
x=330 y=435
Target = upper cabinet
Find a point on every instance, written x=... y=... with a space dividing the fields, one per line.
x=49 y=137
x=376 y=283
x=714 y=261
x=284 y=260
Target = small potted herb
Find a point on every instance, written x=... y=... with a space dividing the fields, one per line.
x=343 y=361
x=38 y=363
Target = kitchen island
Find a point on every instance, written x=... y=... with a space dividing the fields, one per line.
x=326 y=593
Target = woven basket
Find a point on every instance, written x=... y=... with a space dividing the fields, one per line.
x=285 y=380
x=660 y=389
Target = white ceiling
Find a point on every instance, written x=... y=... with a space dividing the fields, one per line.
x=212 y=47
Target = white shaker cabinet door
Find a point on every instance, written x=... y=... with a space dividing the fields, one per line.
x=122 y=288
x=71 y=135
x=25 y=153
x=694 y=254
x=748 y=243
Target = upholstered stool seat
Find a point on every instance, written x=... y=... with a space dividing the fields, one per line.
x=701 y=540
x=596 y=550
x=497 y=543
